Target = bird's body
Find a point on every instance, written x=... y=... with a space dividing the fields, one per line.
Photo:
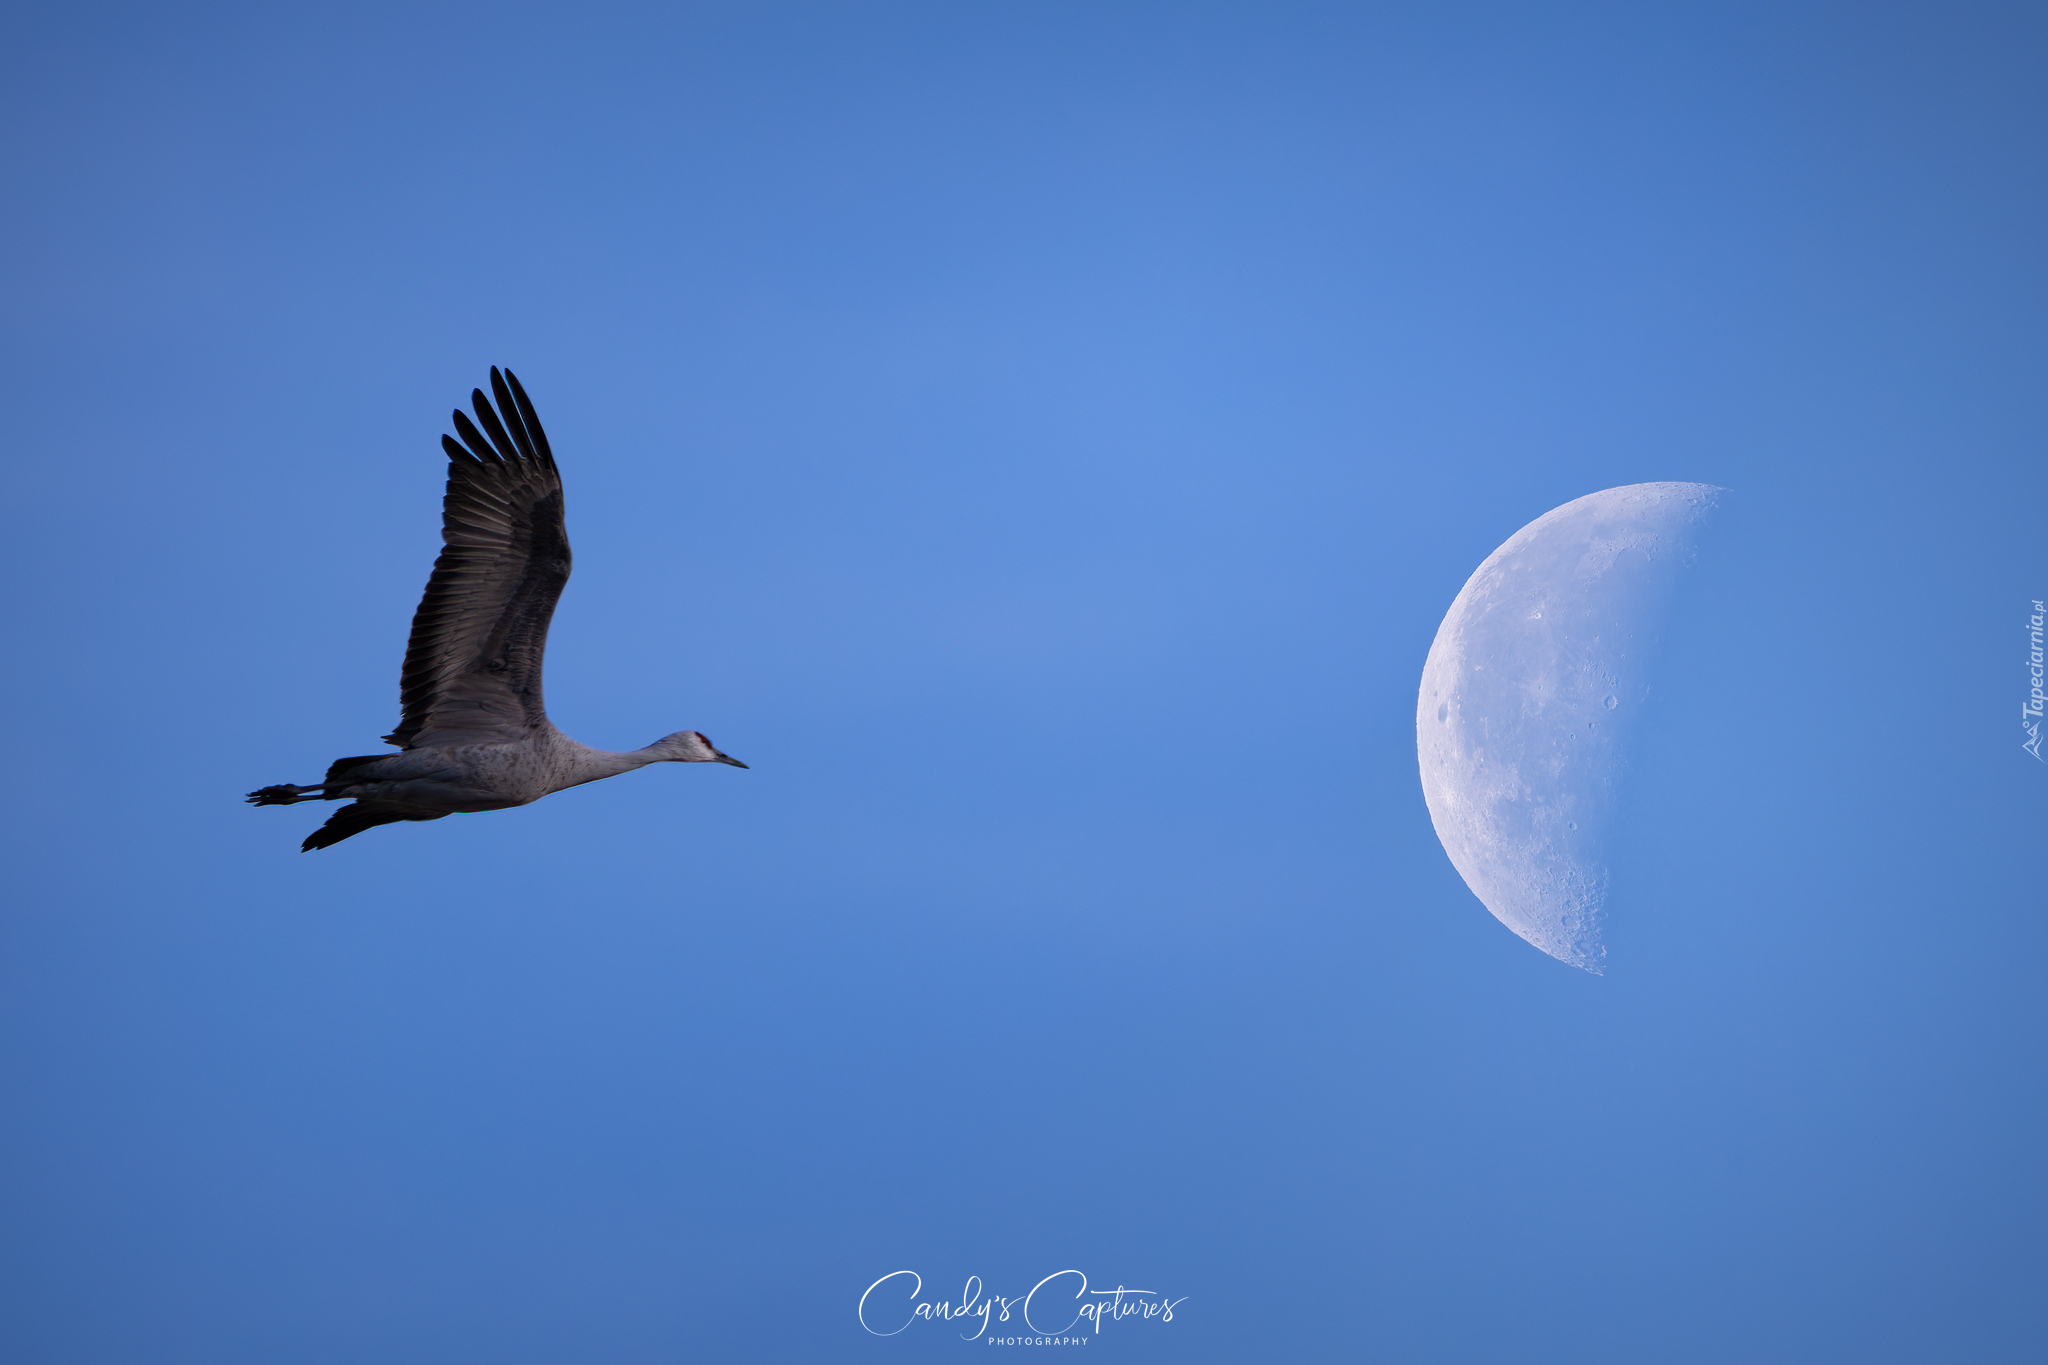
x=475 y=734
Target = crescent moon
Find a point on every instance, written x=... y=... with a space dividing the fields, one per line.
x=1530 y=691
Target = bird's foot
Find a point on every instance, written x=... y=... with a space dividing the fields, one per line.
x=281 y=795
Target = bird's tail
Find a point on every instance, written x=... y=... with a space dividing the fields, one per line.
x=339 y=770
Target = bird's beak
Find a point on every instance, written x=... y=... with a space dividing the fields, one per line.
x=728 y=758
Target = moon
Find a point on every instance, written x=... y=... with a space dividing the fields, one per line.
x=1531 y=689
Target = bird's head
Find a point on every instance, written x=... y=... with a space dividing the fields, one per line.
x=690 y=746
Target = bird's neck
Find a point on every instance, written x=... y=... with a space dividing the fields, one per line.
x=591 y=764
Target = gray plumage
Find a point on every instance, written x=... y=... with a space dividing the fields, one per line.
x=474 y=732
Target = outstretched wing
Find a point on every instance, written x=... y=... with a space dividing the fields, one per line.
x=358 y=816
x=472 y=667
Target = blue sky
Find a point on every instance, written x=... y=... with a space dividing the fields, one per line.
x=1041 y=440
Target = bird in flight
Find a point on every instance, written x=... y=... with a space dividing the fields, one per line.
x=474 y=734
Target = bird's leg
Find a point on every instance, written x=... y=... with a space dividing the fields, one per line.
x=284 y=794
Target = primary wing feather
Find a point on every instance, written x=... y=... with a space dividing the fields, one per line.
x=473 y=666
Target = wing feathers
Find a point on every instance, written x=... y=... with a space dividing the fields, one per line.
x=527 y=417
x=358 y=816
x=473 y=666
x=515 y=420
x=489 y=420
x=484 y=451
